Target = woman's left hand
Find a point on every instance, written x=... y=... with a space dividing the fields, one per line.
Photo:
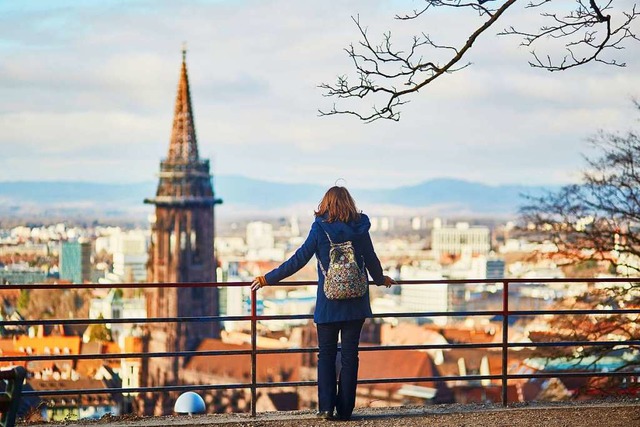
x=388 y=281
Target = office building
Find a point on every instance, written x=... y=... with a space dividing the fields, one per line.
x=75 y=261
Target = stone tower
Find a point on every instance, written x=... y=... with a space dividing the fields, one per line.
x=181 y=247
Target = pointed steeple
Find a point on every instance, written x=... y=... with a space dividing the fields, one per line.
x=185 y=179
x=183 y=146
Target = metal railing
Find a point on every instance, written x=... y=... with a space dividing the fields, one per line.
x=505 y=313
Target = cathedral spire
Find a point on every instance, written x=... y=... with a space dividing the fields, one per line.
x=183 y=146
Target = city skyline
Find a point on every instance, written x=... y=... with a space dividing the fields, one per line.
x=88 y=90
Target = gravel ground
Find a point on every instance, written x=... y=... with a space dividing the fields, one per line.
x=601 y=414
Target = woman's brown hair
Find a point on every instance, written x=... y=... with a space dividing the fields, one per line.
x=338 y=205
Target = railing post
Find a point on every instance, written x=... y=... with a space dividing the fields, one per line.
x=254 y=337
x=505 y=339
x=10 y=397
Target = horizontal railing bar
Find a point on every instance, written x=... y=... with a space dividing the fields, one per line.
x=287 y=384
x=259 y=385
x=145 y=355
x=288 y=350
x=399 y=380
x=452 y=346
x=199 y=319
x=284 y=316
x=203 y=319
x=576 y=343
x=559 y=374
x=440 y=314
x=510 y=313
x=72 y=392
x=364 y=381
x=142 y=355
x=522 y=280
x=428 y=379
x=430 y=346
x=601 y=312
x=48 y=286
x=386 y=348
x=312 y=283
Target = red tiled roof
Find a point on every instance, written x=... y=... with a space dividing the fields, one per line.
x=81 y=384
x=270 y=367
x=6 y=344
x=395 y=364
x=407 y=333
x=38 y=344
x=468 y=335
x=8 y=354
x=88 y=367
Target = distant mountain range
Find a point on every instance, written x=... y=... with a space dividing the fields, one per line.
x=243 y=195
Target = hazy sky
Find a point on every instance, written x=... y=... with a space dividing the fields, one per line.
x=87 y=90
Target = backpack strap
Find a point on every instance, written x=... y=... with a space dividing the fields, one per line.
x=327 y=234
x=331 y=243
x=322 y=269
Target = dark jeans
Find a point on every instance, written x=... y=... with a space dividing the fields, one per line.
x=345 y=399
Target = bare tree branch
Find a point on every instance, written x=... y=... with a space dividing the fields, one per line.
x=416 y=74
x=599 y=218
x=587 y=33
x=385 y=75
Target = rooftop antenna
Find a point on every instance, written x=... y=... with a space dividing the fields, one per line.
x=184 y=51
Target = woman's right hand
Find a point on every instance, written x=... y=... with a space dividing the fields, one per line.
x=258 y=282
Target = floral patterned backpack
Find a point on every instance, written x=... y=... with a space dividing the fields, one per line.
x=343 y=279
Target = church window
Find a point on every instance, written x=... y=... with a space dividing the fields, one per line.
x=183 y=240
x=172 y=245
x=195 y=248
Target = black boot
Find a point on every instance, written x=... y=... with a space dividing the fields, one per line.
x=325 y=415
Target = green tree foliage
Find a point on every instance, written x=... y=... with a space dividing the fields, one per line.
x=23 y=300
x=99 y=332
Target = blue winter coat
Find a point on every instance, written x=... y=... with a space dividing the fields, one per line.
x=318 y=244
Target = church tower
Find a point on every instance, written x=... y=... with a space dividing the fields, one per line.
x=181 y=247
